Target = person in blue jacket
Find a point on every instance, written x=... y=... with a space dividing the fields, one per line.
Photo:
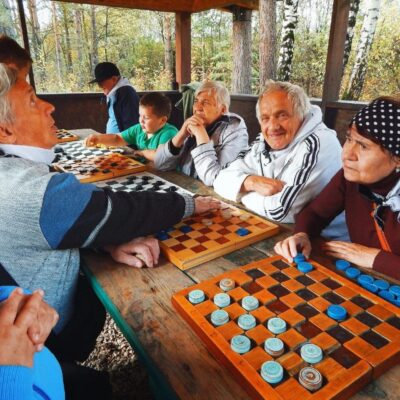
x=28 y=370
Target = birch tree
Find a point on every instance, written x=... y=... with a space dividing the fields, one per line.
x=241 y=38
x=359 y=70
x=56 y=40
x=95 y=41
x=354 y=6
x=267 y=46
x=287 y=39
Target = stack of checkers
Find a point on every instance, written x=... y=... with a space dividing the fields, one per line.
x=66 y=136
x=290 y=334
x=78 y=151
x=142 y=182
x=380 y=287
x=201 y=238
x=93 y=169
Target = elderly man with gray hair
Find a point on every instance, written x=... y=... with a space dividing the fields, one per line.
x=209 y=140
x=290 y=162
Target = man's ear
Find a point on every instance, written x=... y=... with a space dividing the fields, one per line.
x=7 y=136
x=223 y=109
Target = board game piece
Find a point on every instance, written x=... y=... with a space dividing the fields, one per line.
x=311 y=353
x=272 y=372
x=212 y=236
x=395 y=289
x=250 y=303
x=342 y=265
x=352 y=272
x=365 y=279
x=222 y=300
x=299 y=258
x=142 y=181
x=219 y=317
x=246 y=322
x=354 y=351
x=196 y=296
x=274 y=347
x=276 y=325
x=310 y=378
x=64 y=136
x=381 y=284
x=78 y=151
x=336 y=312
x=240 y=344
x=227 y=284
x=304 y=267
x=93 y=169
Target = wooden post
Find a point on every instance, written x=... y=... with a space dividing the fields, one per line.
x=334 y=60
x=183 y=47
x=24 y=30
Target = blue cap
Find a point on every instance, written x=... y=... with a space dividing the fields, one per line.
x=336 y=312
x=246 y=322
x=242 y=232
x=382 y=284
x=342 y=264
x=240 y=344
x=196 y=296
x=304 y=267
x=219 y=317
x=311 y=353
x=272 y=372
x=352 y=272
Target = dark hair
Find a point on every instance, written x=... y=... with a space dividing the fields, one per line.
x=12 y=53
x=161 y=104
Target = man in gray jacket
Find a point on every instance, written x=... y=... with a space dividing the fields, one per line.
x=290 y=162
x=207 y=141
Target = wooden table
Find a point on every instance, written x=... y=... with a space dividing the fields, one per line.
x=177 y=361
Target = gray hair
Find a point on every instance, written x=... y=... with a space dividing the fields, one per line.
x=8 y=77
x=218 y=89
x=296 y=94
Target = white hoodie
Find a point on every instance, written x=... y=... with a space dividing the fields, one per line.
x=306 y=166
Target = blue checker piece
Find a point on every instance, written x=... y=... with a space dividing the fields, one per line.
x=370 y=287
x=247 y=321
x=336 y=312
x=185 y=228
x=299 y=257
x=272 y=372
x=365 y=279
x=162 y=235
x=304 y=267
x=352 y=272
x=385 y=294
x=242 y=232
x=395 y=290
x=342 y=265
x=311 y=353
x=382 y=284
x=240 y=344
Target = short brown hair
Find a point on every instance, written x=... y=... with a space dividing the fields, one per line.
x=12 y=53
x=160 y=102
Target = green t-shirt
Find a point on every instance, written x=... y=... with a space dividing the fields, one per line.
x=135 y=136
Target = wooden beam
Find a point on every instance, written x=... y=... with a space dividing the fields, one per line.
x=183 y=47
x=334 y=59
x=25 y=38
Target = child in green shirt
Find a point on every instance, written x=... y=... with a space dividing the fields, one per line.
x=151 y=131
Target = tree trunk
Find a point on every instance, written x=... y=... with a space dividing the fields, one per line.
x=67 y=37
x=34 y=22
x=241 y=72
x=56 y=40
x=267 y=40
x=9 y=20
x=168 y=59
x=356 y=82
x=95 y=39
x=354 y=6
x=287 y=40
x=79 y=45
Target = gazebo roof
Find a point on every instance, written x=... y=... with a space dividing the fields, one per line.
x=190 y=6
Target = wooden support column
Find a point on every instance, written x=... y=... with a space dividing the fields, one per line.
x=183 y=39
x=24 y=30
x=334 y=60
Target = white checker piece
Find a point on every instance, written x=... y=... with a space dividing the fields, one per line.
x=143 y=181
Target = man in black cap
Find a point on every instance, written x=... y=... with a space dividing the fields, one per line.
x=122 y=99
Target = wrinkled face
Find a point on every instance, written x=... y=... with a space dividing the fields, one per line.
x=206 y=107
x=279 y=125
x=149 y=121
x=32 y=124
x=108 y=84
x=364 y=161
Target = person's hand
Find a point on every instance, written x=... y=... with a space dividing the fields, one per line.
x=92 y=140
x=17 y=314
x=148 y=154
x=289 y=247
x=203 y=204
x=137 y=253
x=262 y=185
x=354 y=253
x=198 y=130
x=184 y=132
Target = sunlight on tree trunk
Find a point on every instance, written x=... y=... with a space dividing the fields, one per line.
x=354 y=6
x=267 y=40
x=95 y=51
x=241 y=38
x=56 y=41
x=287 y=40
x=168 y=59
x=68 y=58
x=356 y=81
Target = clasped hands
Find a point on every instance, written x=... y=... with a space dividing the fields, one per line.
x=193 y=126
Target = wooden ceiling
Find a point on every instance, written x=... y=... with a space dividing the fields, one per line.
x=190 y=6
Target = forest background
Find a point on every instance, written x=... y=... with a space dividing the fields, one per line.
x=67 y=40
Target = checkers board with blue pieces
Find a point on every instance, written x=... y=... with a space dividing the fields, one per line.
x=347 y=353
x=204 y=237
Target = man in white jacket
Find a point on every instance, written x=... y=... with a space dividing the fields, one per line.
x=290 y=162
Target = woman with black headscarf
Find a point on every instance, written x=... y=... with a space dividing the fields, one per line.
x=367 y=188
